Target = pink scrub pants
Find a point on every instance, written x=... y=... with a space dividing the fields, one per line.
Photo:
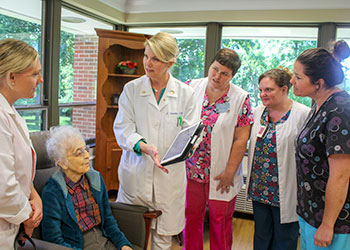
x=220 y=218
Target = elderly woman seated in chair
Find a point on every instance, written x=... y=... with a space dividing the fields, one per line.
x=76 y=211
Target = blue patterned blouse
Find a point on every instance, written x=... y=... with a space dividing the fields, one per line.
x=263 y=185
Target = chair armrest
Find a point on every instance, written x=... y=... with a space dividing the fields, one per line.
x=148 y=217
x=134 y=221
x=43 y=245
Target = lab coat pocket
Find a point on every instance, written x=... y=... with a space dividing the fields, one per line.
x=7 y=237
x=172 y=125
x=128 y=173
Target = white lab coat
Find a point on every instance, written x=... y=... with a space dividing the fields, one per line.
x=285 y=135
x=139 y=116
x=222 y=138
x=16 y=172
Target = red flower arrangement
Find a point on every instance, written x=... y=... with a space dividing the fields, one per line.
x=127 y=64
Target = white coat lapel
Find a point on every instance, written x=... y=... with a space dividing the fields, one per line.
x=18 y=120
x=22 y=127
x=146 y=91
x=170 y=92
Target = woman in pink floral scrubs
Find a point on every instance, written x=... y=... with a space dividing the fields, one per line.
x=213 y=172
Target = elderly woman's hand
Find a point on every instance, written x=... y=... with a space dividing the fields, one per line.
x=126 y=248
x=153 y=152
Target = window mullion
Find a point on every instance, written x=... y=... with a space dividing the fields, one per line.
x=51 y=54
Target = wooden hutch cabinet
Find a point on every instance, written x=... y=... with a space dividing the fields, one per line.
x=114 y=46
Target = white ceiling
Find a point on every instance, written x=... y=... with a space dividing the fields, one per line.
x=236 y=32
x=30 y=10
x=149 y=6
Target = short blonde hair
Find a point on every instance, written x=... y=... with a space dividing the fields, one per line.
x=16 y=56
x=164 y=46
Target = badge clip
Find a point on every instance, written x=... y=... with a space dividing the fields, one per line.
x=262 y=131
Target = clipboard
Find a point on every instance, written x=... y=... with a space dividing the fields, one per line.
x=184 y=141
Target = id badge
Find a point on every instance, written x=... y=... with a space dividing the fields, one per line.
x=223 y=107
x=262 y=131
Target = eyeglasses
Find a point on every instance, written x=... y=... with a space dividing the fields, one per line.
x=81 y=151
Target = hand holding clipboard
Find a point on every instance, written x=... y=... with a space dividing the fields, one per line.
x=181 y=147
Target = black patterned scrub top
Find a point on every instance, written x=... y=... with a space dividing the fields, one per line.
x=325 y=133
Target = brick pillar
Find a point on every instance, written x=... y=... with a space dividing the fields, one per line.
x=85 y=82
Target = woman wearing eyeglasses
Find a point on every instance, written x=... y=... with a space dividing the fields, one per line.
x=75 y=200
x=213 y=172
x=271 y=180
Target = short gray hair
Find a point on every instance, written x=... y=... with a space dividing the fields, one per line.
x=60 y=139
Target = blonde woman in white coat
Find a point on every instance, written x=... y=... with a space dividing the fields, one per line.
x=19 y=202
x=271 y=163
x=152 y=110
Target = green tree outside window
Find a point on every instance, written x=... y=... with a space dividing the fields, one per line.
x=260 y=55
x=190 y=63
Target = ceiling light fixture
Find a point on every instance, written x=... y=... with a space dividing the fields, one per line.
x=172 y=31
x=73 y=19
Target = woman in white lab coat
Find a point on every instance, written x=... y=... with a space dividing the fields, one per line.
x=152 y=110
x=19 y=202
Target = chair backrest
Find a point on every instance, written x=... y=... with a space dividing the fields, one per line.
x=44 y=166
x=131 y=222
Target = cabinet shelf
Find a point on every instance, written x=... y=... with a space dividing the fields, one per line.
x=114 y=46
x=112 y=106
x=124 y=75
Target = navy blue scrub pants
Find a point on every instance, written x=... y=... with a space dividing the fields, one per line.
x=270 y=234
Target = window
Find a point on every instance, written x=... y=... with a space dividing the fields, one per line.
x=22 y=20
x=264 y=48
x=34 y=119
x=78 y=71
x=191 y=42
x=344 y=34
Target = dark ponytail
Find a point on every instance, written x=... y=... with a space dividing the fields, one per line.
x=340 y=50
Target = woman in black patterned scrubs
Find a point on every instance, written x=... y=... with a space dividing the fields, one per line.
x=323 y=153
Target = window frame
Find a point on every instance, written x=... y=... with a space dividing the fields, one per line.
x=50 y=44
x=50 y=23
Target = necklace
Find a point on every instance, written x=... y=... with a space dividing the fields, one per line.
x=157 y=90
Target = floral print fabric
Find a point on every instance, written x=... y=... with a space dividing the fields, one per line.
x=198 y=166
x=325 y=132
x=263 y=185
